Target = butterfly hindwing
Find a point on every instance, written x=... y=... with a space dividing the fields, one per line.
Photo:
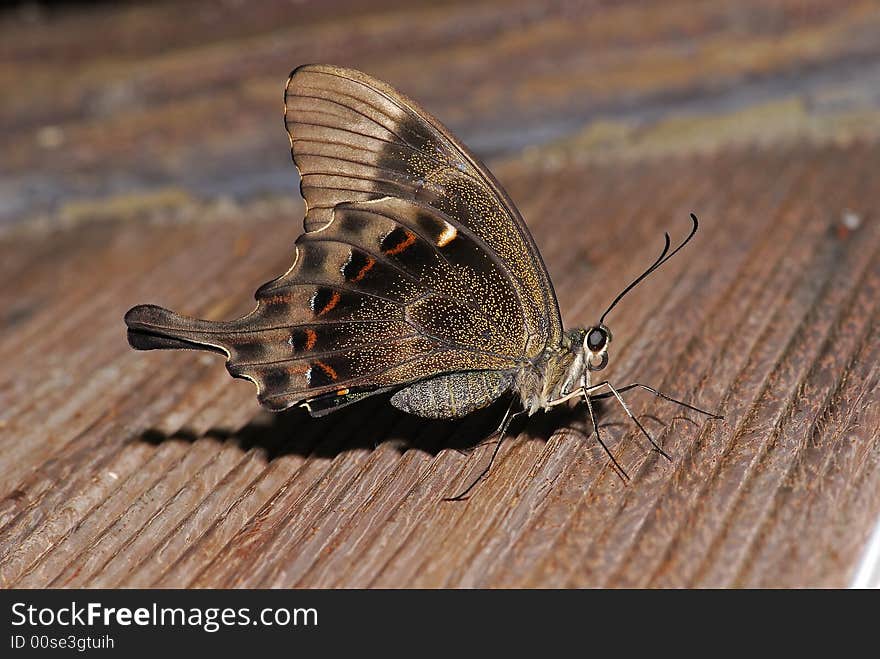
x=380 y=298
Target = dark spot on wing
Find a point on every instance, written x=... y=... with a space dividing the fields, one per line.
x=249 y=351
x=276 y=379
x=397 y=241
x=320 y=374
x=324 y=300
x=352 y=223
x=302 y=340
x=357 y=266
x=314 y=254
x=413 y=132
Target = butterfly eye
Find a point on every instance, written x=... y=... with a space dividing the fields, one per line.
x=596 y=339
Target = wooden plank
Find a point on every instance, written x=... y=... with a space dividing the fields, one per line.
x=146 y=469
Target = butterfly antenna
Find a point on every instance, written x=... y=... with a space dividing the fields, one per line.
x=665 y=255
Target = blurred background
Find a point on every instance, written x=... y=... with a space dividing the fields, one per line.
x=151 y=103
x=143 y=158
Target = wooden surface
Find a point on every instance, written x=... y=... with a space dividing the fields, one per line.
x=145 y=160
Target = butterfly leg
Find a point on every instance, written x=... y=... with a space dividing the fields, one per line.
x=582 y=392
x=588 y=395
x=502 y=430
x=618 y=468
x=660 y=394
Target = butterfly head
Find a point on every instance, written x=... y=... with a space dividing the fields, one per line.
x=596 y=340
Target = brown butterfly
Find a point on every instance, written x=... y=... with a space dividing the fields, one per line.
x=416 y=274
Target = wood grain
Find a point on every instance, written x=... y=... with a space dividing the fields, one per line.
x=150 y=165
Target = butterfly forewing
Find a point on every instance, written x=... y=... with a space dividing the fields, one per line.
x=355 y=138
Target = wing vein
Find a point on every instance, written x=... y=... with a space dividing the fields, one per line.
x=355 y=110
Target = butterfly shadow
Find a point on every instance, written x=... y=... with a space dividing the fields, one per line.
x=366 y=425
x=375 y=422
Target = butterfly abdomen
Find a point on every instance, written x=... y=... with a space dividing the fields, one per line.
x=453 y=395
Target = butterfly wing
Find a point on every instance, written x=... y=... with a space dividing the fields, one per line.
x=414 y=262
x=354 y=138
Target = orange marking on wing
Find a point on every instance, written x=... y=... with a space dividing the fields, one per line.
x=311 y=338
x=342 y=392
x=328 y=370
x=363 y=271
x=397 y=249
x=332 y=302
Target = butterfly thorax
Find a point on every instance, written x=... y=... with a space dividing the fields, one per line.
x=559 y=370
